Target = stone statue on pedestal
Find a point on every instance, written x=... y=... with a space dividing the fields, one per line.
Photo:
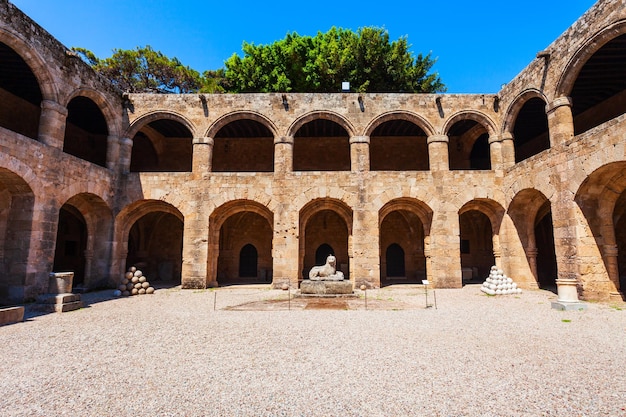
x=326 y=272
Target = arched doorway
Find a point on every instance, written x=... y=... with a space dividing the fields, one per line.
x=155 y=244
x=321 y=145
x=619 y=216
x=162 y=145
x=71 y=243
x=546 y=255
x=476 y=246
x=86 y=131
x=325 y=226
x=394 y=256
x=245 y=250
x=530 y=131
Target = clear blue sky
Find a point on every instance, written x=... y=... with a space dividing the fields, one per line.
x=480 y=44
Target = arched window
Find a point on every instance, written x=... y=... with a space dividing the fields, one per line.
x=248 y=260
x=395 y=261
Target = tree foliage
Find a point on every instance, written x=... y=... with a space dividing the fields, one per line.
x=144 y=70
x=367 y=59
x=302 y=64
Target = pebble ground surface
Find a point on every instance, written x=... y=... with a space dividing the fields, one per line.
x=248 y=351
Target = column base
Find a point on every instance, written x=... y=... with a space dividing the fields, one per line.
x=567 y=290
x=571 y=306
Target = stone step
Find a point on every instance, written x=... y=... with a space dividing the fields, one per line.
x=9 y=315
x=58 y=298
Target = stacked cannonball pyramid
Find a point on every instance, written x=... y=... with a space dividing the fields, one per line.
x=134 y=283
x=499 y=284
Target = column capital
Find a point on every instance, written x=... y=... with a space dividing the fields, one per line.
x=203 y=141
x=558 y=102
x=495 y=139
x=359 y=139
x=53 y=105
x=438 y=138
x=288 y=140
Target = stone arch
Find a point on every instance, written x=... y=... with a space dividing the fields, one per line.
x=474 y=115
x=38 y=65
x=105 y=106
x=239 y=115
x=479 y=225
x=86 y=131
x=399 y=142
x=325 y=213
x=17 y=213
x=516 y=105
x=578 y=60
x=94 y=252
x=232 y=226
x=321 y=114
x=243 y=141
x=468 y=146
x=162 y=142
x=530 y=211
x=527 y=122
x=168 y=266
x=405 y=222
x=414 y=118
x=602 y=202
x=144 y=120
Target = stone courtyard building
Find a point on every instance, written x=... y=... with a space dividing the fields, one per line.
x=206 y=190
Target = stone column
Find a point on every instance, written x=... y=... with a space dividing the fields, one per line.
x=495 y=151
x=508 y=150
x=113 y=152
x=360 y=153
x=365 y=257
x=202 y=156
x=52 y=123
x=283 y=154
x=88 y=267
x=196 y=247
x=285 y=249
x=564 y=221
x=531 y=254
x=560 y=120
x=438 y=152
x=125 y=153
x=612 y=266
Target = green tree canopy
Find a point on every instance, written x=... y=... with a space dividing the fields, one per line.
x=367 y=59
x=144 y=70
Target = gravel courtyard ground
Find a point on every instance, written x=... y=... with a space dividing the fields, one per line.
x=240 y=351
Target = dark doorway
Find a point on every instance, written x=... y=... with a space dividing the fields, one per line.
x=248 y=261
x=395 y=261
x=546 y=255
x=71 y=244
x=323 y=252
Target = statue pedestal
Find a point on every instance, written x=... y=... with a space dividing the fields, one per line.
x=325 y=287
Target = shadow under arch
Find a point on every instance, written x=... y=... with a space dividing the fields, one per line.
x=602 y=200
x=530 y=211
x=246 y=222
x=404 y=228
x=85 y=252
x=325 y=221
x=17 y=206
x=150 y=236
x=479 y=225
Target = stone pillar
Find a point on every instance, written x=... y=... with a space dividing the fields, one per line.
x=360 y=153
x=52 y=123
x=202 y=156
x=531 y=254
x=365 y=257
x=285 y=249
x=113 y=152
x=196 y=247
x=564 y=221
x=88 y=267
x=508 y=150
x=495 y=151
x=125 y=153
x=283 y=154
x=612 y=267
x=438 y=152
x=560 y=120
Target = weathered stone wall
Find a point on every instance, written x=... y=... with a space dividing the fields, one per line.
x=578 y=176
